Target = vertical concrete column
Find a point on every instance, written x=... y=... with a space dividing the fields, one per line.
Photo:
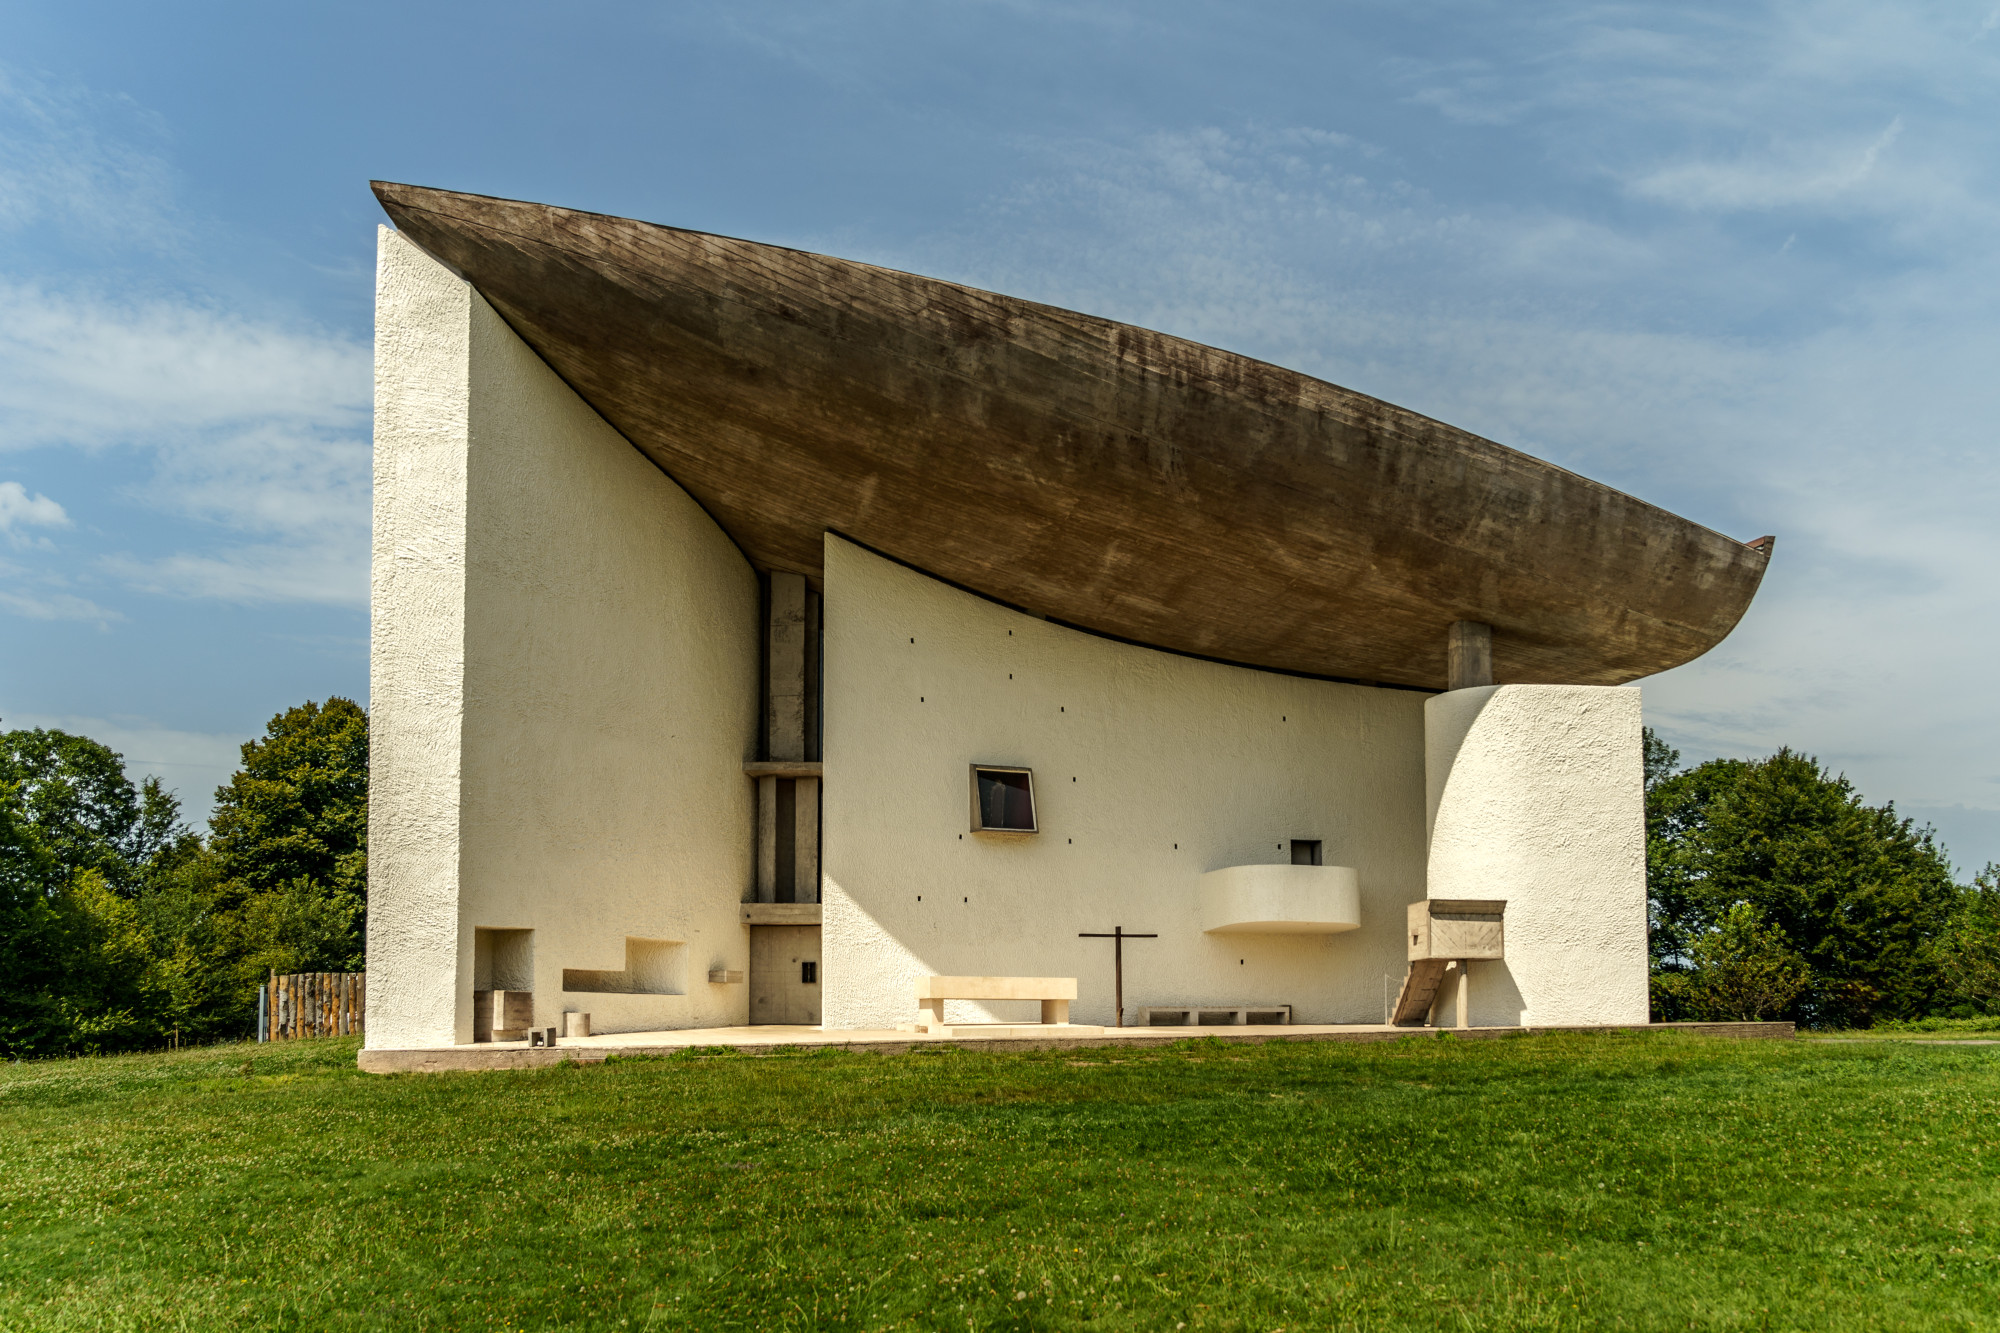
x=1468 y=655
x=805 y=830
x=1535 y=796
x=767 y=839
x=786 y=667
x=785 y=725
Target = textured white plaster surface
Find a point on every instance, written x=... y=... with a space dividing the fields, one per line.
x=564 y=685
x=416 y=663
x=1535 y=795
x=1150 y=769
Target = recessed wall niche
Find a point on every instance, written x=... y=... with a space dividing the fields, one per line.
x=652 y=967
x=503 y=959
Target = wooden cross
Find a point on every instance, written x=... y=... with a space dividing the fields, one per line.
x=1117 y=935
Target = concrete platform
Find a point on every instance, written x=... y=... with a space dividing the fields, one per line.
x=1002 y=1037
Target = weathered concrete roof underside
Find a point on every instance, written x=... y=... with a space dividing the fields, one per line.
x=1113 y=478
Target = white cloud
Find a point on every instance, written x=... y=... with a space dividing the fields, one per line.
x=91 y=370
x=57 y=166
x=255 y=433
x=19 y=510
x=245 y=438
x=251 y=575
x=54 y=606
x=1817 y=175
x=43 y=594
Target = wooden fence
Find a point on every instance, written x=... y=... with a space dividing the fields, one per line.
x=312 y=1004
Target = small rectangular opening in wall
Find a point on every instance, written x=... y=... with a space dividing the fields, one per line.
x=1305 y=851
x=652 y=967
x=503 y=959
x=1003 y=799
x=788 y=847
x=809 y=973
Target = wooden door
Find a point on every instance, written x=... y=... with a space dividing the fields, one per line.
x=784 y=974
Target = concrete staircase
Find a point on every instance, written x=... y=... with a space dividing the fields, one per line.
x=1420 y=988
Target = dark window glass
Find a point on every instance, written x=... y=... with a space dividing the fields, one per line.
x=809 y=973
x=1005 y=801
x=1305 y=851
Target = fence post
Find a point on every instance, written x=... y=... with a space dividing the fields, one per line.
x=293 y=1005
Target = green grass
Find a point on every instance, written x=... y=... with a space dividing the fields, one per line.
x=1639 y=1181
x=1968 y=1027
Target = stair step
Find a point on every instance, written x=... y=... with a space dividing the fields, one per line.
x=1420 y=988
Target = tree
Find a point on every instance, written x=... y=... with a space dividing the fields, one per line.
x=290 y=842
x=74 y=793
x=298 y=808
x=1743 y=971
x=30 y=933
x=119 y=925
x=1861 y=896
x=1660 y=759
x=1968 y=952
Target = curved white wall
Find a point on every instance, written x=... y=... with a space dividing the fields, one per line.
x=1280 y=900
x=563 y=685
x=1150 y=769
x=1536 y=796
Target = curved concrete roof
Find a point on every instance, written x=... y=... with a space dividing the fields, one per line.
x=1106 y=476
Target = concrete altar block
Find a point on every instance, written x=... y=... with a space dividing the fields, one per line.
x=1457 y=928
x=502 y=1015
x=1054 y=993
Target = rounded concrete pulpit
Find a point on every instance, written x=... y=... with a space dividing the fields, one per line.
x=1280 y=900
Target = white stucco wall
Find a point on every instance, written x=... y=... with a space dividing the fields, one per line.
x=1150 y=769
x=1535 y=795
x=563 y=685
x=417 y=646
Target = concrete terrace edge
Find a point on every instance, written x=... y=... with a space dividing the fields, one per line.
x=440 y=1060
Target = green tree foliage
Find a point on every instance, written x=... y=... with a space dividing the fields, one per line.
x=290 y=840
x=119 y=925
x=30 y=932
x=1743 y=971
x=1968 y=953
x=1861 y=898
x=298 y=808
x=84 y=811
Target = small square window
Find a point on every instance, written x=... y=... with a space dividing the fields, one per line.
x=1305 y=851
x=809 y=973
x=1003 y=799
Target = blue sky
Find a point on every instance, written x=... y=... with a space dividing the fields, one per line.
x=1737 y=259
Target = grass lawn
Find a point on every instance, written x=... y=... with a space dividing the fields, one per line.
x=1641 y=1181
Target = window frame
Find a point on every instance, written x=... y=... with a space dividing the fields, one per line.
x=1034 y=808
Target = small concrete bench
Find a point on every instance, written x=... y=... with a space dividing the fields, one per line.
x=1213 y=1015
x=1054 y=994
